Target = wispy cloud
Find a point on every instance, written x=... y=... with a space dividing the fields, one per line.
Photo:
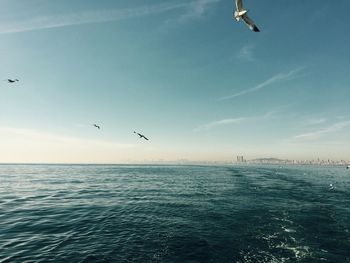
x=325 y=130
x=238 y=120
x=246 y=53
x=318 y=121
x=192 y=9
x=196 y=9
x=275 y=79
x=219 y=123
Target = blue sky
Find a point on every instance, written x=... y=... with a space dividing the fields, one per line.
x=199 y=84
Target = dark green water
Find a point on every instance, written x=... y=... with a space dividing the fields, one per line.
x=62 y=213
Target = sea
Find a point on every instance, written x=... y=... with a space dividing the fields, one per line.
x=163 y=213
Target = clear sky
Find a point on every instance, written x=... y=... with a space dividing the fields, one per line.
x=200 y=85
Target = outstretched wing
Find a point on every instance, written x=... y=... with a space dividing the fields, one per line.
x=250 y=23
x=239 y=5
x=145 y=137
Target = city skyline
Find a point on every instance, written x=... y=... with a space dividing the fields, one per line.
x=200 y=85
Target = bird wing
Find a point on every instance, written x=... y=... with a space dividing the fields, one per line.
x=239 y=5
x=250 y=23
x=145 y=137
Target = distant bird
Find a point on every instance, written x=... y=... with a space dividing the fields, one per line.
x=348 y=167
x=97 y=126
x=242 y=13
x=141 y=136
x=11 y=80
x=331 y=187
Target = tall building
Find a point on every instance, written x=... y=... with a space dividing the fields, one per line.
x=240 y=159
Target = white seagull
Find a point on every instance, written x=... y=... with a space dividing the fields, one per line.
x=242 y=13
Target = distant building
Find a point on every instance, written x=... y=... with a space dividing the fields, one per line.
x=240 y=159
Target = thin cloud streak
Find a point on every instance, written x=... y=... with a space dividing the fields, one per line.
x=196 y=9
x=220 y=123
x=277 y=78
x=214 y=124
x=316 y=121
x=317 y=134
x=193 y=9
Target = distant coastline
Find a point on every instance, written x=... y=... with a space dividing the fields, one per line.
x=257 y=161
x=276 y=161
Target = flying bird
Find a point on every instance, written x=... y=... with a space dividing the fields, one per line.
x=240 y=12
x=11 y=80
x=97 y=126
x=141 y=136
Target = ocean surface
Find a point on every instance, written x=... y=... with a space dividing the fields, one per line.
x=87 y=213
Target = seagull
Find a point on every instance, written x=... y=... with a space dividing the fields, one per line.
x=331 y=187
x=141 y=136
x=97 y=126
x=11 y=80
x=240 y=12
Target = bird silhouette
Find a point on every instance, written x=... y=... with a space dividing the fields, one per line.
x=11 y=80
x=141 y=135
x=97 y=126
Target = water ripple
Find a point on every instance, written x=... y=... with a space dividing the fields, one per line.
x=86 y=213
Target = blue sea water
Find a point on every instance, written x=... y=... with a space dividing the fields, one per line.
x=87 y=213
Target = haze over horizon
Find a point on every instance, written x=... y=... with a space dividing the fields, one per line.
x=200 y=85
